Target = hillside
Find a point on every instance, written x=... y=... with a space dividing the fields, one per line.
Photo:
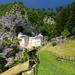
x=66 y=49
x=50 y=65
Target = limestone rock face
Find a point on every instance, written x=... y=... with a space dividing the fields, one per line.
x=48 y=20
x=12 y=23
x=10 y=61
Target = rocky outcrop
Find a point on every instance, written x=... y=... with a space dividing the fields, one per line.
x=48 y=20
x=58 y=40
x=30 y=43
x=11 y=24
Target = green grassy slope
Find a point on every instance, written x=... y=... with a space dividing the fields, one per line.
x=66 y=49
x=50 y=66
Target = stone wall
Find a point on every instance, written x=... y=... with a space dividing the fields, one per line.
x=30 y=42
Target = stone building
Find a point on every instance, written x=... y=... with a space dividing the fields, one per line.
x=29 y=42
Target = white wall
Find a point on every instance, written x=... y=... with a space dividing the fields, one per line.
x=32 y=41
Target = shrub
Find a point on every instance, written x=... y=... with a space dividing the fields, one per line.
x=54 y=43
x=23 y=58
x=65 y=33
x=73 y=31
x=2 y=63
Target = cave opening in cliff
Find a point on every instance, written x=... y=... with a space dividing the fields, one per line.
x=19 y=29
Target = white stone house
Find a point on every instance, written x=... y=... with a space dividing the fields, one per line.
x=29 y=42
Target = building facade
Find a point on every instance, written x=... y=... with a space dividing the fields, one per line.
x=29 y=42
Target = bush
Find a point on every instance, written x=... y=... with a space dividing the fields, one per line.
x=23 y=58
x=54 y=43
x=65 y=33
x=73 y=31
x=2 y=63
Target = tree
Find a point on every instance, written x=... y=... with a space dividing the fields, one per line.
x=49 y=9
x=65 y=33
x=71 y=19
x=43 y=9
x=59 y=8
x=61 y=19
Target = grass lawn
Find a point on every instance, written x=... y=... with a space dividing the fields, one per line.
x=50 y=66
x=66 y=49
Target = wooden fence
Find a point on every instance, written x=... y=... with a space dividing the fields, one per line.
x=17 y=69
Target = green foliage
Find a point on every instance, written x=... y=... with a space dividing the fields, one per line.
x=65 y=18
x=23 y=12
x=65 y=33
x=73 y=31
x=50 y=66
x=5 y=8
x=23 y=58
x=2 y=63
x=10 y=41
x=37 y=16
x=61 y=19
